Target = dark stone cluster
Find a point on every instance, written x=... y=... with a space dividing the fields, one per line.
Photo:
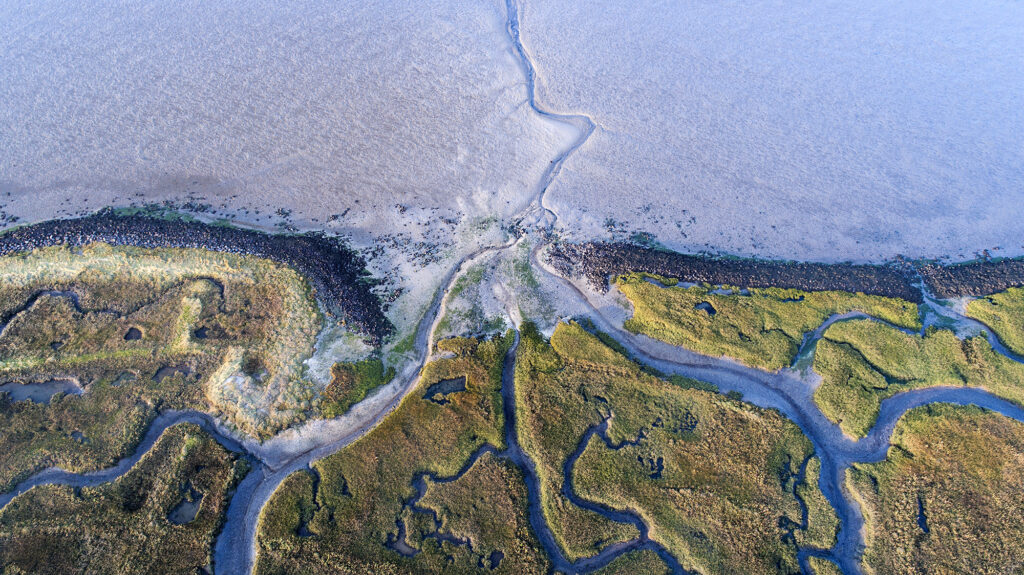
x=973 y=279
x=335 y=271
x=600 y=261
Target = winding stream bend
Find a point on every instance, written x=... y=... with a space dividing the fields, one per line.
x=784 y=390
x=546 y=218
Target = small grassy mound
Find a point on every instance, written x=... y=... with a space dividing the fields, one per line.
x=948 y=498
x=713 y=478
x=123 y=526
x=351 y=382
x=862 y=362
x=762 y=329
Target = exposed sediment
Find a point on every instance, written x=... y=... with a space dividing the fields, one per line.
x=973 y=279
x=335 y=271
x=598 y=261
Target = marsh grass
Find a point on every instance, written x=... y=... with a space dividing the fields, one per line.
x=712 y=477
x=351 y=382
x=863 y=362
x=1004 y=314
x=956 y=470
x=763 y=329
x=200 y=320
x=122 y=527
x=362 y=489
x=640 y=562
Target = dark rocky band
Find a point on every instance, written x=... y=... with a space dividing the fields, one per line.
x=600 y=261
x=973 y=279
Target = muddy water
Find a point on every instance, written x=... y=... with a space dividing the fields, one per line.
x=41 y=392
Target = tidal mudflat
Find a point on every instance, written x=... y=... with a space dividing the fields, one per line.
x=450 y=373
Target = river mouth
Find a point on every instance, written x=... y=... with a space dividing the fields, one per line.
x=41 y=392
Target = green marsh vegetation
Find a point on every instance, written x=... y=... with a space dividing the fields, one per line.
x=712 y=477
x=351 y=382
x=125 y=526
x=343 y=517
x=948 y=497
x=1004 y=313
x=156 y=329
x=640 y=562
x=862 y=362
x=763 y=329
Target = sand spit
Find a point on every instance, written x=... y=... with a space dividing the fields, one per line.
x=597 y=261
x=973 y=279
x=334 y=270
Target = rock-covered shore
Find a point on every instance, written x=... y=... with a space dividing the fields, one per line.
x=600 y=261
x=335 y=271
x=974 y=278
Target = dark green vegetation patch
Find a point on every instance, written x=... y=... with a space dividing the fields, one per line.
x=351 y=382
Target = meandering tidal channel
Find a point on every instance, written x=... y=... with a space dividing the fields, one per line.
x=785 y=391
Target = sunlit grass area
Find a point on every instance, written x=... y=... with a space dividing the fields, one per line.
x=1004 y=314
x=761 y=327
x=862 y=362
